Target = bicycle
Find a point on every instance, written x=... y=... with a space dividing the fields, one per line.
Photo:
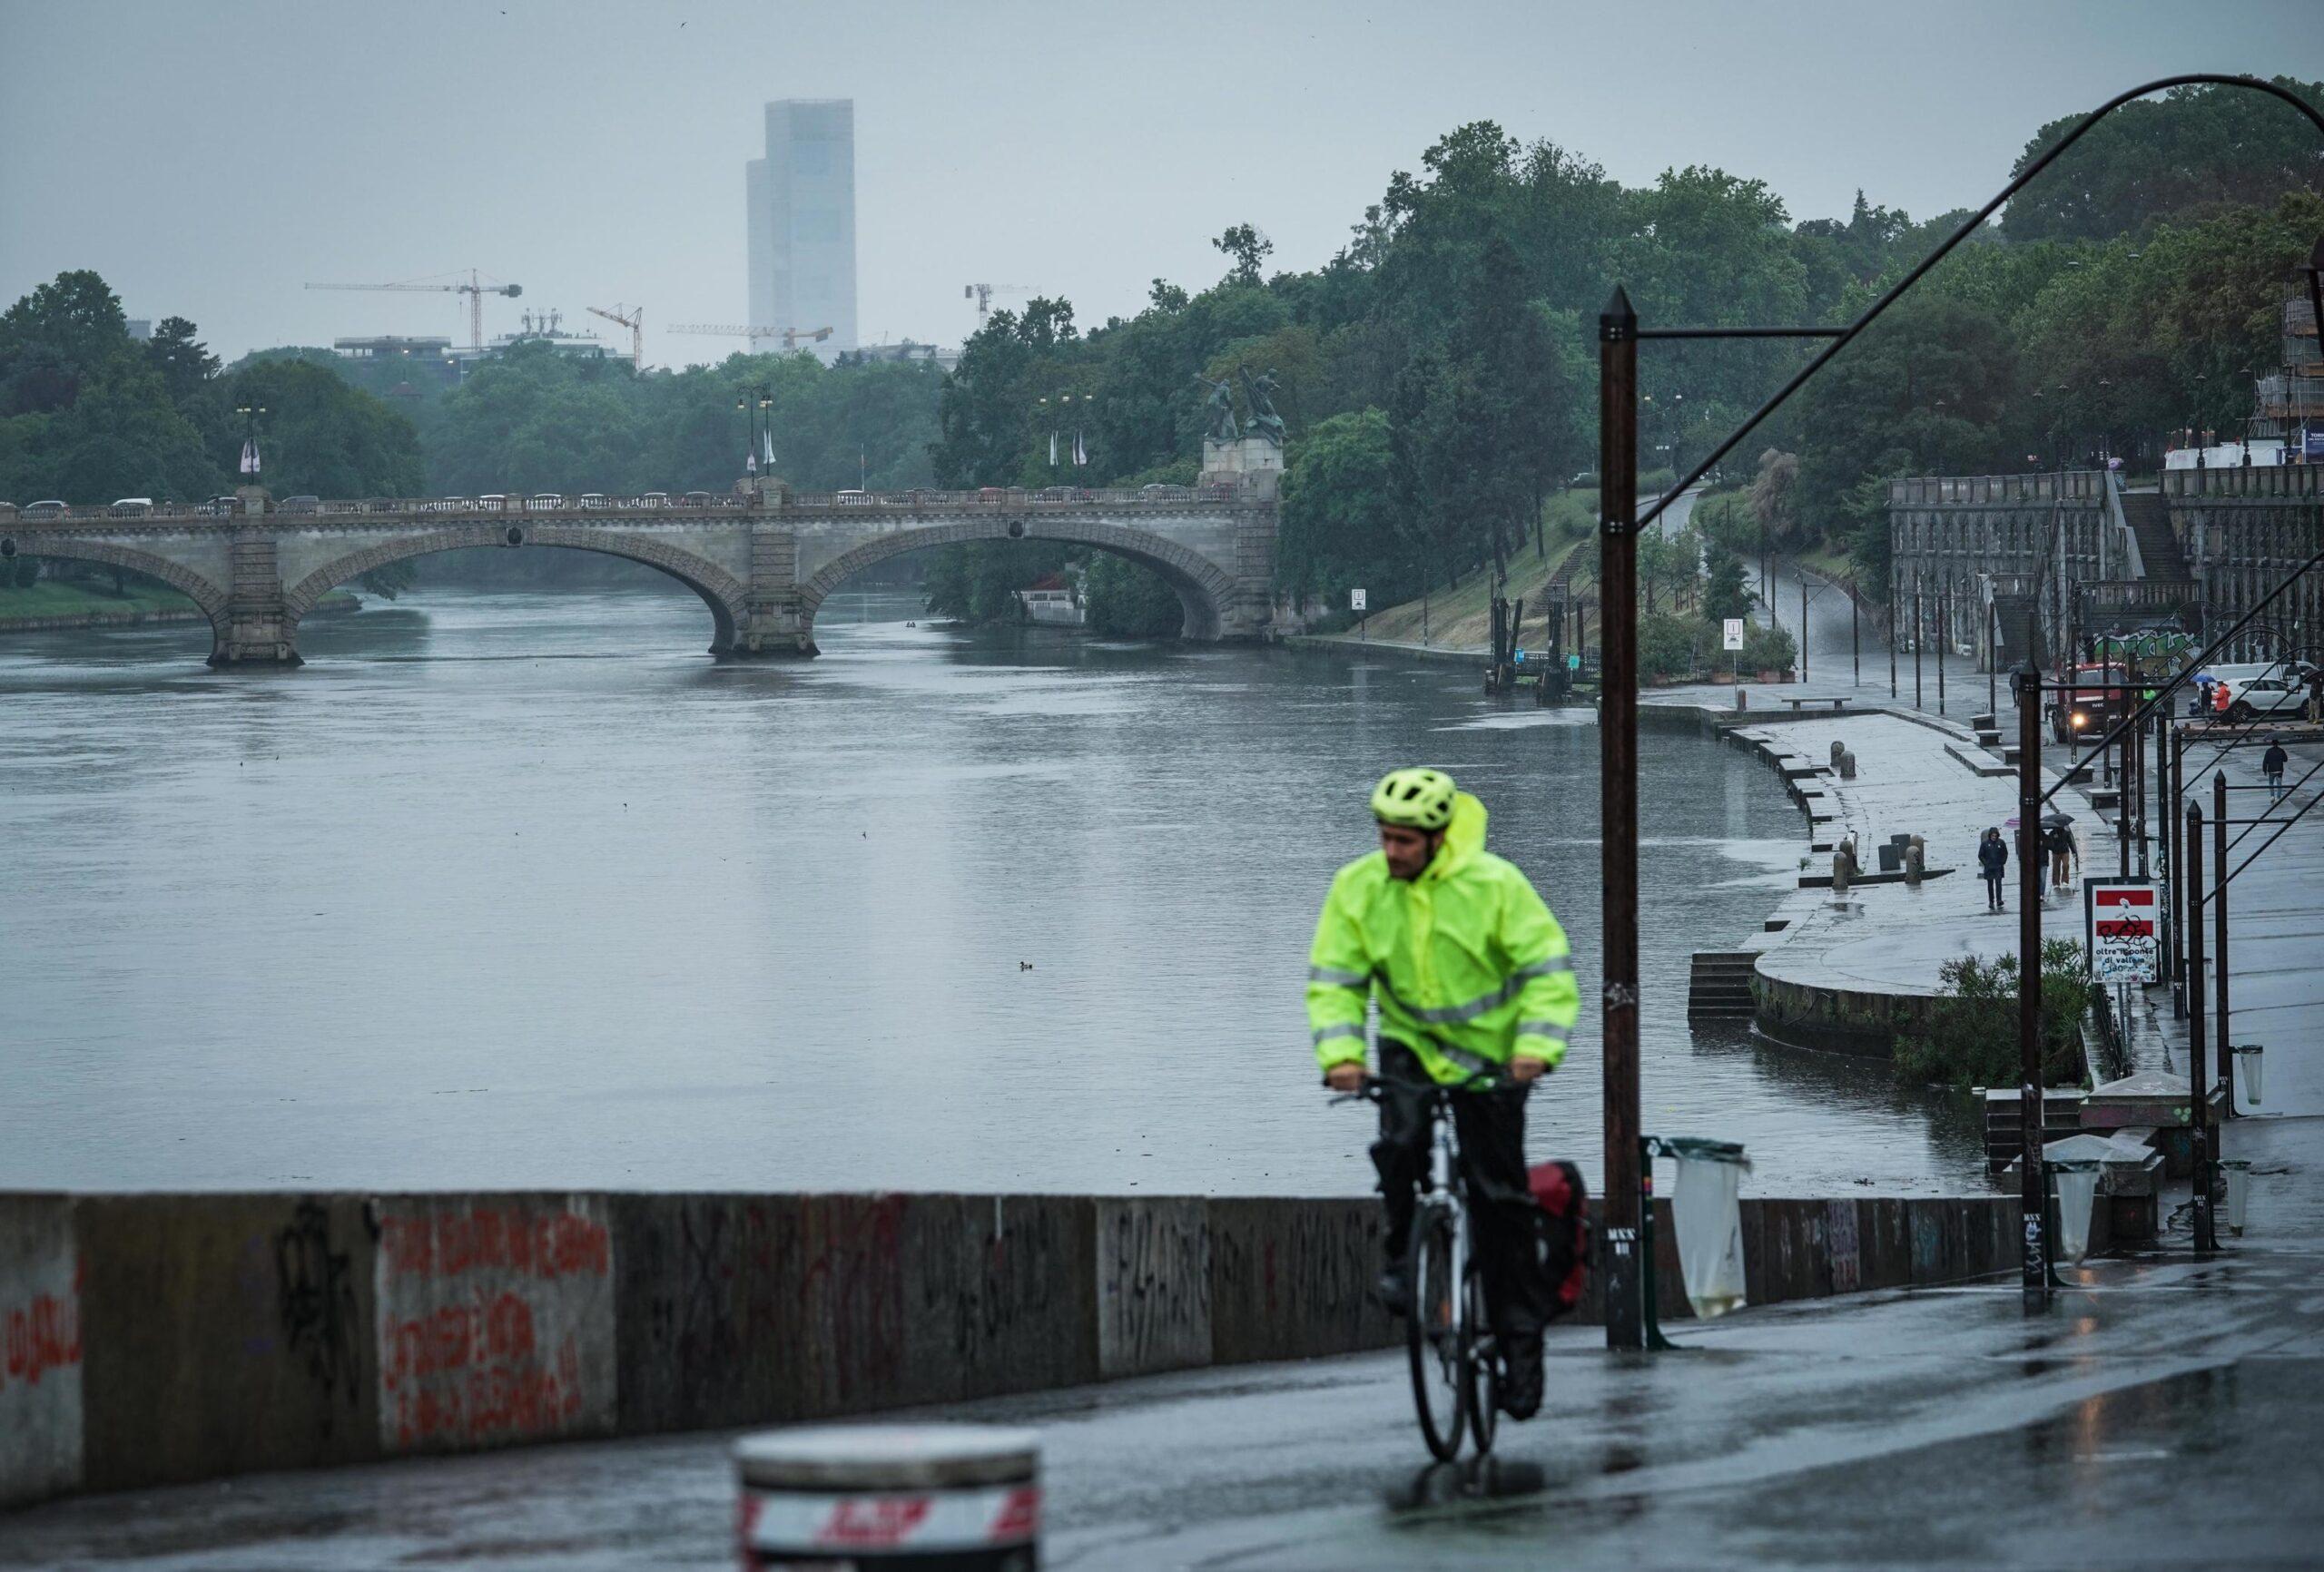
x=1455 y=1362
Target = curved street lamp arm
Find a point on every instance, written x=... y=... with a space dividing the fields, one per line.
x=2194 y=79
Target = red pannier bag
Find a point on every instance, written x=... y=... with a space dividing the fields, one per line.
x=1562 y=1232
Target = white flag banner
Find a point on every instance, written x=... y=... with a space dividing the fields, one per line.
x=750 y=463
x=767 y=457
x=1052 y=450
x=250 y=457
x=1081 y=454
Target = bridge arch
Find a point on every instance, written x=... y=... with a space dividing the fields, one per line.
x=203 y=592
x=1205 y=590
x=720 y=589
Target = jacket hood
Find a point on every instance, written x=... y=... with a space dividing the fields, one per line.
x=1464 y=836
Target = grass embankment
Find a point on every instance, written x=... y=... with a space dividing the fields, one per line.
x=49 y=598
x=1462 y=617
x=54 y=598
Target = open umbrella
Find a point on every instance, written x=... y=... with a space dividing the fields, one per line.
x=2055 y=820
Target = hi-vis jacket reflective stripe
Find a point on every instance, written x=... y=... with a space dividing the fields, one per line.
x=1469 y=966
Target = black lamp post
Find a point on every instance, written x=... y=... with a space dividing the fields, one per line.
x=252 y=415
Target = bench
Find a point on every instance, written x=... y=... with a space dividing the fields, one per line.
x=1838 y=701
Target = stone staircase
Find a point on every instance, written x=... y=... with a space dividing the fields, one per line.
x=1719 y=988
x=2148 y=516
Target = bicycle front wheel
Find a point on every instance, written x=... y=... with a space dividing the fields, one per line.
x=1436 y=1336
x=1480 y=1367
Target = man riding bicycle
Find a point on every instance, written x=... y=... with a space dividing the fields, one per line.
x=1472 y=978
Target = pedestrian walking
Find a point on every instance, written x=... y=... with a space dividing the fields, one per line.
x=2316 y=693
x=2058 y=842
x=1993 y=862
x=2271 y=765
x=2221 y=699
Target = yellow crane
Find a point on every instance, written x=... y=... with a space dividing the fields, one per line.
x=791 y=336
x=636 y=322
x=473 y=287
x=983 y=294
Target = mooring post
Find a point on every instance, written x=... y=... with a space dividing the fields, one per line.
x=2032 y=1197
x=2199 y=1102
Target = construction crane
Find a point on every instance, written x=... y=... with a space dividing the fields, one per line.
x=475 y=289
x=983 y=294
x=636 y=322
x=790 y=337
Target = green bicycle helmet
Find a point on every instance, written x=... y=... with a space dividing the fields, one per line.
x=1418 y=799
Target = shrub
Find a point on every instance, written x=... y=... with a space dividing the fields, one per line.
x=1972 y=1039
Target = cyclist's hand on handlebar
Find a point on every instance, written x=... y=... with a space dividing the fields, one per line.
x=1344 y=1077
x=1523 y=1068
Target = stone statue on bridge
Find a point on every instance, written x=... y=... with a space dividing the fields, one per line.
x=1219 y=407
x=1260 y=390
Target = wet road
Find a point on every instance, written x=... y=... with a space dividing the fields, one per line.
x=511 y=890
x=2160 y=1413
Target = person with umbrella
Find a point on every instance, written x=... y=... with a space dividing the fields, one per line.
x=2057 y=840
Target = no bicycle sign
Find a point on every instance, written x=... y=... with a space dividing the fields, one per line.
x=2119 y=919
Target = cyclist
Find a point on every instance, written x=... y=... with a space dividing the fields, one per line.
x=1472 y=978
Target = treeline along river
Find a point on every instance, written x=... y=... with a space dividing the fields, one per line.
x=522 y=889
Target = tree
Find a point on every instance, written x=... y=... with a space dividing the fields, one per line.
x=1775 y=499
x=1248 y=249
x=2184 y=156
x=55 y=338
x=1341 y=527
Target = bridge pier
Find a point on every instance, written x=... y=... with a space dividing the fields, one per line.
x=774 y=623
x=255 y=627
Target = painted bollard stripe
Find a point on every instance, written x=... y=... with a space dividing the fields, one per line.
x=920 y=1521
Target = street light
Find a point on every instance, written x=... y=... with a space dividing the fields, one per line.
x=252 y=415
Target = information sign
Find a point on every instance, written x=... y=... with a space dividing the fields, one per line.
x=2119 y=919
x=1356 y=600
x=1734 y=639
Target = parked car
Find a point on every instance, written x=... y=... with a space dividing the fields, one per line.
x=695 y=499
x=299 y=505
x=655 y=500
x=2276 y=695
x=220 y=507
x=1160 y=491
x=591 y=501
x=132 y=507
x=49 y=508
x=852 y=499
x=994 y=493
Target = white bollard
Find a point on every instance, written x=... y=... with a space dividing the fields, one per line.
x=2247 y=1071
x=2075 y=1182
x=871 y=1496
x=2238 y=1191
x=1706 y=1209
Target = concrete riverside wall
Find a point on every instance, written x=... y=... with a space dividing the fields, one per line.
x=148 y=1340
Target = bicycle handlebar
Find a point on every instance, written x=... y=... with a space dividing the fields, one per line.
x=1370 y=1091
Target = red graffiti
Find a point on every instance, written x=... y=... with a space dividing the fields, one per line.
x=458 y=1335
x=495 y=1399
x=41 y=1336
x=1019 y=1518
x=444 y=1244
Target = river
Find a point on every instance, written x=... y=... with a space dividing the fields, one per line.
x=524 y=891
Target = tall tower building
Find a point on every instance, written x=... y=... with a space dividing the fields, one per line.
x=800 y=212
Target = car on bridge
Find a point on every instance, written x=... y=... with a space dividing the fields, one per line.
x=852 y=499
x=48 y=507
x=655 y=500
x=220 y=507
x=544 y=502
x=695 y=499
x=132 y=507
x=493 y=502
x=301 y=504
x=592 y=501
x=1161 y=492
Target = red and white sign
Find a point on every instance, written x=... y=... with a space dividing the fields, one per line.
x=2121 y=918
x=920 y=1521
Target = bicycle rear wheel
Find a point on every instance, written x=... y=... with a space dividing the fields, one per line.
x=1436 y=1336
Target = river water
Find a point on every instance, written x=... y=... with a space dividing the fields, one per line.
x=523 y=889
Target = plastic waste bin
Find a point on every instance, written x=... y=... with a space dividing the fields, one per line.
x=865 y=1496
x=1706 y=1206
x=2074 y=1182
x=2238 y=1191
x=2247 y=1072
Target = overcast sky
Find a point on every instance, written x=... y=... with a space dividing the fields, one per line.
x=211 y=158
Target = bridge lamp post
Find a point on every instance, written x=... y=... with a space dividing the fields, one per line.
x=252 y=415
x=1620 y=523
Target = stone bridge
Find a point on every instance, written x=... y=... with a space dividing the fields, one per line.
x=762 y=560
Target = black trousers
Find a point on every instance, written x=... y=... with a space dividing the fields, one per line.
x=1502 y=1215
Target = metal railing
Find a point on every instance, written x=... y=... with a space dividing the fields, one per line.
x=584 y=504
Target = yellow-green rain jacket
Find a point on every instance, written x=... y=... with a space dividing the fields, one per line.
x=1470 y=968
